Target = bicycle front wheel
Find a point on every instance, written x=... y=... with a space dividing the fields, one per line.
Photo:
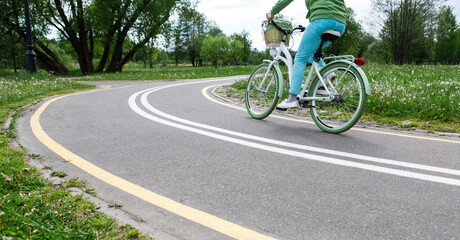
x=349 y=98
x=261 y=94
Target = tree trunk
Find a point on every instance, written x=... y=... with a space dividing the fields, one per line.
x=49 y=64
x=49 y=60
x=116 y=57
x=105 y=56
x=13 y=54
x=118 y=61
x=76 y=33
x=108 y=42
x=150 y=57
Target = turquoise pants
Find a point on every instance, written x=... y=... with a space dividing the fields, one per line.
x=311 y=40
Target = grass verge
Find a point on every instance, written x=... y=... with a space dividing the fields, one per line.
x=30 y=206
x=407 y=97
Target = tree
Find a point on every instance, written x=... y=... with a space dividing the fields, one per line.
x=215 y=49
x=197 y=27
x=363 y=43
x=457 y=45
x=404 y=23
x=13 y=37
x=378 y=51
x=9 y=40
x=446 y=36
x=246 y=43
x=236 y=50
x=214 y=30
x=186 y=33
x=112 y=22
x=257 y=57
x=423 y=49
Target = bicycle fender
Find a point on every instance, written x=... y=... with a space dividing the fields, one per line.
x=367 y=86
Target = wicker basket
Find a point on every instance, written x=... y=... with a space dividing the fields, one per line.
x=273 y=36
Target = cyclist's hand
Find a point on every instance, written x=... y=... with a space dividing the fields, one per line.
x=269 y=16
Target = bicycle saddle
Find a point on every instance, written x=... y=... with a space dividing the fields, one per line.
x=330 y=35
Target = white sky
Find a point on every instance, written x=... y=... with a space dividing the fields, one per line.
x=237 y=15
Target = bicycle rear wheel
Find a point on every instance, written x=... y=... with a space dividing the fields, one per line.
x=348 y=102
x=261 y=94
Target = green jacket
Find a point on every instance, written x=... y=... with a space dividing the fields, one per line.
x=318 y=9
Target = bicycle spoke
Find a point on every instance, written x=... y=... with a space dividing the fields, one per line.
x=261 y=93
x=345 y=109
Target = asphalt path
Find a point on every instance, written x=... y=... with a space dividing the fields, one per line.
x=191 y=166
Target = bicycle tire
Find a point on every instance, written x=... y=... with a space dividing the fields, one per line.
x=350 y=98
x=261 y=96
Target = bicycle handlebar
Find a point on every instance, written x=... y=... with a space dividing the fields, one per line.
x=287 y=32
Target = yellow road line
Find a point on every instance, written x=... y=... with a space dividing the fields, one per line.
x=204 y=91
x=197 y=216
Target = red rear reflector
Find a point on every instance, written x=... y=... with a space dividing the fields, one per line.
x=360 y=61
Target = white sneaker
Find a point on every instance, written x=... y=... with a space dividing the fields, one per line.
x=285 y=105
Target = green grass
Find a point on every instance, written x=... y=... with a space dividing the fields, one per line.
x=58 y=174
x=426 y=97
x=30 y=206
x=415 y=92
x=73 y=182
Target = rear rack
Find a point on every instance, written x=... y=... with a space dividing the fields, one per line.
x=350 y=58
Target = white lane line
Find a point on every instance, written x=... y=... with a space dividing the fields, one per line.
x=138 y=110
x=206 y=95
x=148 y=106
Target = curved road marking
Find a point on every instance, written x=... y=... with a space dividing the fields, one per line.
x=152 y=109
x=220 y=225
x=335 y=161
x=204 y=91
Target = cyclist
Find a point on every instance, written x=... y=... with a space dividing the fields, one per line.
x=323 y=15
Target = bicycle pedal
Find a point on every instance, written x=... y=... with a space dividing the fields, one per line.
x=303 y=104
x=307 y=106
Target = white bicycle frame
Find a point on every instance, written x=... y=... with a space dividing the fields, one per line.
x=282 y=49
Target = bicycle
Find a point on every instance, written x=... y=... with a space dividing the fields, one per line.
x=336 y=94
